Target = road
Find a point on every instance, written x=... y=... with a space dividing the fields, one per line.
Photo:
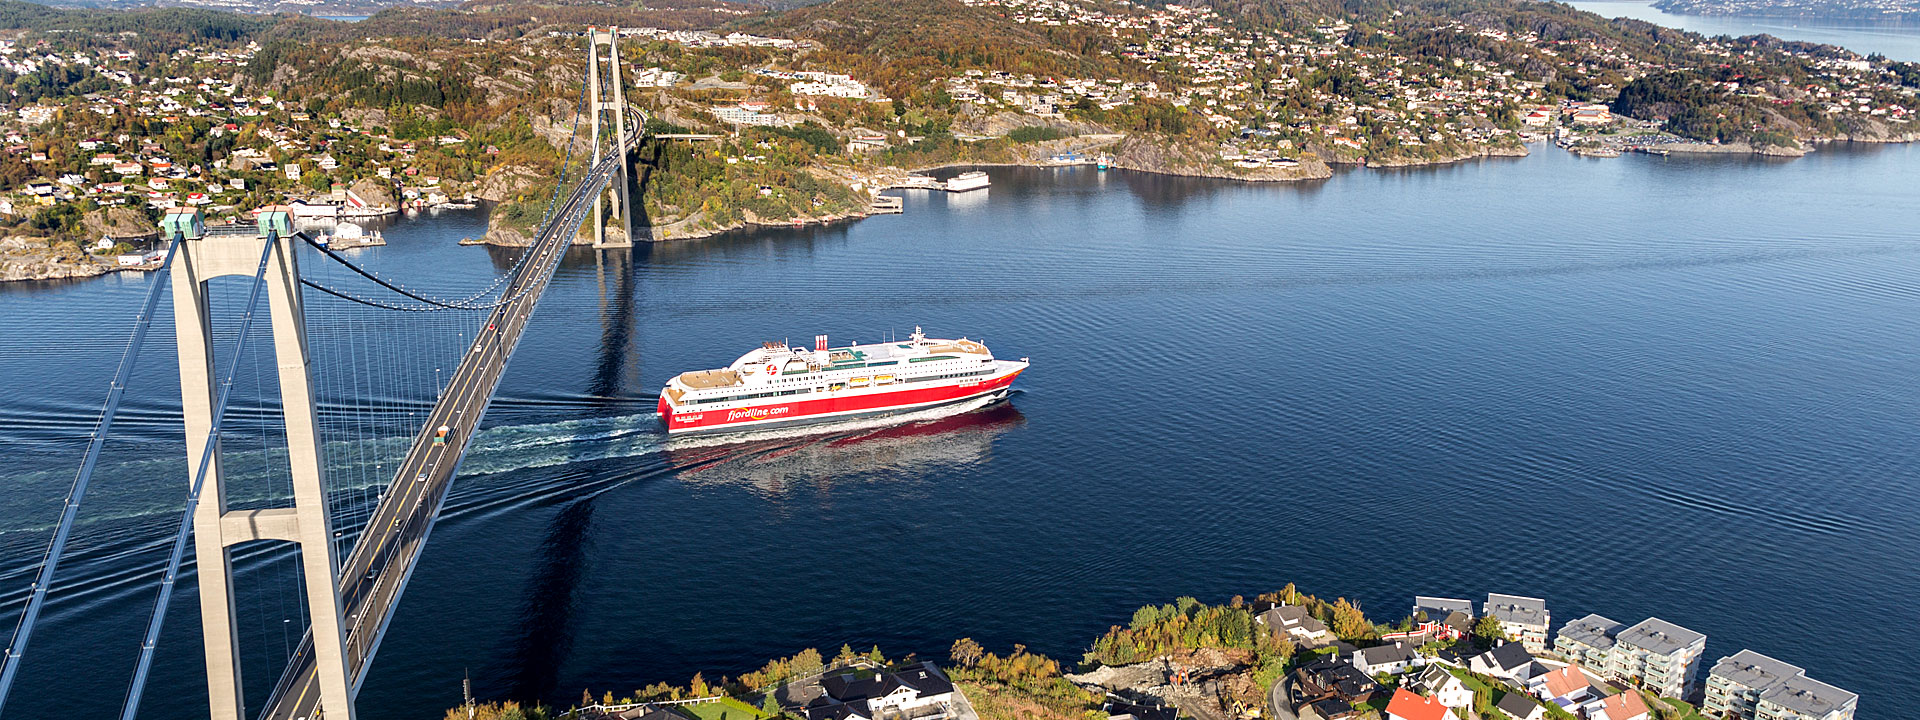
x=375 y=573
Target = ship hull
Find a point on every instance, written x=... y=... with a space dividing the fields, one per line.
x=851 y=406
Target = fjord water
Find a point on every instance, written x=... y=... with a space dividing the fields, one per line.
x=1678 y=387
x=1896 y=39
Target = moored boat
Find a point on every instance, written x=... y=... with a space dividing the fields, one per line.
x=777 y=386
x=965 y=181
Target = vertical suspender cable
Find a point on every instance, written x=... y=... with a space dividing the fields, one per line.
x=193 y=493
x=10 y=662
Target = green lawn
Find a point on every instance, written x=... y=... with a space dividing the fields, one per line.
x=726 y=709
x=1680 y=709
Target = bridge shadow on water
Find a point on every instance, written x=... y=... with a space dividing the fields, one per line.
x=546 y=615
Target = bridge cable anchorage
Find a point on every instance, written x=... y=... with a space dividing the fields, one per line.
x=50 y=562
x=172 y=570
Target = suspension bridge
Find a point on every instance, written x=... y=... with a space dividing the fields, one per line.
x=349 y=600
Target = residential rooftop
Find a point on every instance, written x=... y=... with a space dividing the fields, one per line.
x=1753 y=670
x=1659 y=636
x=1808 y=696
x=1517 y=609
x=1594 y=630
x=1438 y=608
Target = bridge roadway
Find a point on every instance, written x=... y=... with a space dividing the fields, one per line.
x=384 y=556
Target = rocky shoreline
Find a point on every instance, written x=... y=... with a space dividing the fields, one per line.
x=25 y=259
x=1486 y=151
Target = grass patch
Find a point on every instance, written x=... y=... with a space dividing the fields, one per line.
x=726 y=709
x=993 y=703
x=1667 y=708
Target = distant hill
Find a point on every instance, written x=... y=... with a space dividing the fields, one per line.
x=901 y=44
x=328 y=8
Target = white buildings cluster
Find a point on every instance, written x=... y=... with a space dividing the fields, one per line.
x=704 y=39
x=1594 y=669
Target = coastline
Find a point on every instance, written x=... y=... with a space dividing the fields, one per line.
x=1136 y=155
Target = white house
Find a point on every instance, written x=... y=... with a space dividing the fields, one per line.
x=917 y=691
x=1390 y=659
x=1436 y=682
x=1519 y=707
x=1508 y=661
x=1624 y=706
x=1566 y=687
x=1294 y=621
x=1521 y=618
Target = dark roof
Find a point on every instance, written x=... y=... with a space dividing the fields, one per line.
x=925 y=678
x=1283 y=616
x=1338 y=676
x=851 y=687
x=1516 y=705
x=1508 y=656
x=1453 y=655
x=922 y=678
x=1439 y=607
x=1331 y=708
x=1395 y=653
x=652 y=712
x=1432 y=678
x=839 y=711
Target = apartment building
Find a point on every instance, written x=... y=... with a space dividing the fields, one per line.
x=1588 y=641
x=1804 y=698
x=1657 y=655
x=1737 y=683
x=1522 y=618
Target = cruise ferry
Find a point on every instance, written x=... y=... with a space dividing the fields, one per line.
x=776 y=385
x=965 y=181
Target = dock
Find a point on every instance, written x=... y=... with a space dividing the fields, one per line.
x=916 y=182
x=887 y=205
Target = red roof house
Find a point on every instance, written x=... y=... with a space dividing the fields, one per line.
x=1407 y=705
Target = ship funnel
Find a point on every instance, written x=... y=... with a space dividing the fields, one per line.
x=819 y=343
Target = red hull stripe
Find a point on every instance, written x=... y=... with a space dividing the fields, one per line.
x=824 y=408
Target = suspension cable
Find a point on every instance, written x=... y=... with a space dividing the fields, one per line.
x=212 y=444
x=433 y=304
x=466 y=303
x=50 y=563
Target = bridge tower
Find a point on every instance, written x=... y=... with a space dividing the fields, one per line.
x=203 y=257
x=609 y=98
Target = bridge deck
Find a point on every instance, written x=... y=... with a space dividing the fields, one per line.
x=376 y=572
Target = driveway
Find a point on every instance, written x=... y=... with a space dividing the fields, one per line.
x=1280 y=699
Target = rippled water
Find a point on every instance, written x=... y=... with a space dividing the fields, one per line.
x=1896 y=39
x=1640 y=386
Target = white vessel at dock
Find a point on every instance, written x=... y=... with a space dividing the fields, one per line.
x=965 y=181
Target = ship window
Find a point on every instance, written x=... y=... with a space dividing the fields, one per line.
x=883 y=364
x=933 y=358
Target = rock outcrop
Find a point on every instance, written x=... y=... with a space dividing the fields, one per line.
x=118 y=222
x=975 y=122
x=1452 y=157
x=1155 y=154
x=506 y=183
x=23 y=258
x=377 y=192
